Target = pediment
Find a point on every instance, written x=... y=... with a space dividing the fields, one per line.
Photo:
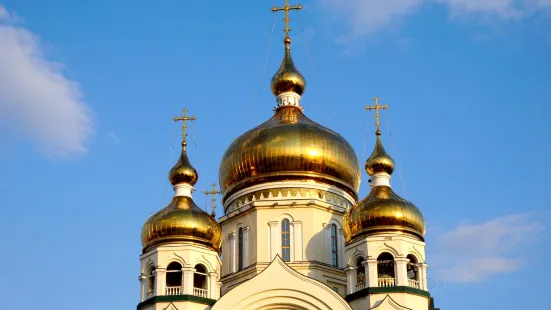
x=389 y=304
x=170 y=306
x=279 y=286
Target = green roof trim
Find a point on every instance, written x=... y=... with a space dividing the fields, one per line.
x=431 y=305
x=172 y=298
x=385 y=290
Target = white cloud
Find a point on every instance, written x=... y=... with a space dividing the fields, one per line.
x=474 y=252
x=368 y=16
x=37 y=100
x=365 y=17
x=502 y=8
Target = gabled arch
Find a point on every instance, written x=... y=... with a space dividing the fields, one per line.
x=147 y=266
x=237 y=226
x=286 y=216
x=204 y=261
x=173 y=257
x=334 y=221
x=386 y=248
x=354 y=257
x=415 y=252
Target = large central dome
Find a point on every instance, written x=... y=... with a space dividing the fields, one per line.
x=289 y=146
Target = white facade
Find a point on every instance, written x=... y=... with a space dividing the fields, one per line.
x=280 y=287
x=283 y=248
x=405 y=277
x=179 y=269
x=312 y=269
x=313 y=212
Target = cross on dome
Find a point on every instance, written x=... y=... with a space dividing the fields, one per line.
x=213 y=193
x=286 y=8
x=184 y=119
x=377 y=107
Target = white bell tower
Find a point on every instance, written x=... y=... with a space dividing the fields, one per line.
x=180 y=264
x=385 y=246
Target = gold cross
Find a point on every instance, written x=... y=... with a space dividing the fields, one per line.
x=184 y=119
x=287 y=8
x=213 y=192
x=377 y=107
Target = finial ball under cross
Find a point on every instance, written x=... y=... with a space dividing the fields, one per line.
x=377 y=107
x=184 y=119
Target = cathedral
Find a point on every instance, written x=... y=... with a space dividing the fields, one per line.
x=294 y=233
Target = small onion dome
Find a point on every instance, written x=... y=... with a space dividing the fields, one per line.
x=182 y=221
x=288 y=78
x=183 y=171
x=379 y=161
x=383 y=211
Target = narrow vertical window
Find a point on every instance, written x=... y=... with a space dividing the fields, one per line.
x=240 y=249
x=334 y=251
x=286 y=240
x=200 y=283
x=151 y=282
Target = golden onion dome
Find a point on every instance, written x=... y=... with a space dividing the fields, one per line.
x=379 y=161
x=183 y=171
x=182 y=221
x=383 y=211
x=288 y=78
x=289 y=146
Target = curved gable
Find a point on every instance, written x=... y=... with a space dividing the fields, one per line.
x=280 y=287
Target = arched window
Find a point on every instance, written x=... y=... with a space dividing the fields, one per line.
x=286 y=240
x=334 y=244
x=240 y=249
x=413 y=271
x=200 y=281
x=174 y=279
x=151 y=282
x=385 y=270
x=360 y=274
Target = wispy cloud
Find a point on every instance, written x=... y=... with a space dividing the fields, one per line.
x=474 y=252
x=366 y=17
x=6 y=17
x=113 y=136
x=37 y=101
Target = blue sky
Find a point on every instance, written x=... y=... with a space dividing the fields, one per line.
x=88 y=91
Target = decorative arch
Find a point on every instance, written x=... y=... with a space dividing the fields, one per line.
x=386 y=248
x=239 y=225
x=274 y=288
x=286 y=216
x=354 y=257
x=417 y=254
x=204 y=261
x=173 y=257
x=334 y=221
x=147 y=266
